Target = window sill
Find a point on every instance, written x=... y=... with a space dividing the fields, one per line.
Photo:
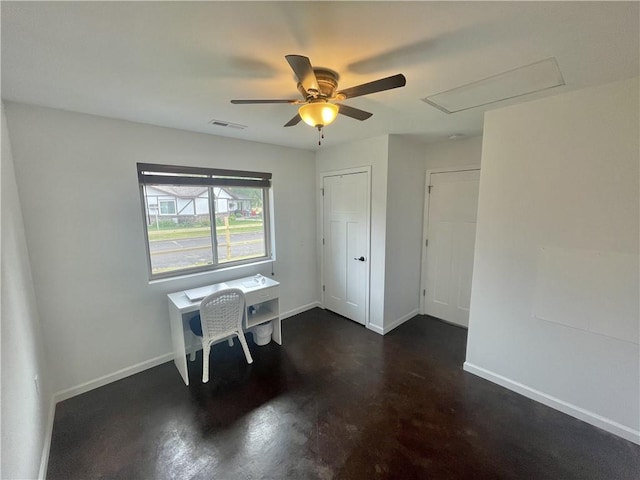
x=210 y=272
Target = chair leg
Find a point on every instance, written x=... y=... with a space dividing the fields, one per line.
x=230 y=341
x=205 y=363
x=245 y=347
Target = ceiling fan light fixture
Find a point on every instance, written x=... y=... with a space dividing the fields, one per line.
x=318 y=114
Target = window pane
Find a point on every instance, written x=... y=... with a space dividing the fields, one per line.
x=178 y=227
x=240 y=226
x=167 y=207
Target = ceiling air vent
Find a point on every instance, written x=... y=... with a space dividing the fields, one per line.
x=222 y=123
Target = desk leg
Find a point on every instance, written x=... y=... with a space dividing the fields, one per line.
x=277 y=331
x=177 y=341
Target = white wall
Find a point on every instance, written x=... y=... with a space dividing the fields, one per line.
x=373 y=152
x=99 y=312
x=453 y=153
x=405 y=202
x=554 y=306
x=25 y=413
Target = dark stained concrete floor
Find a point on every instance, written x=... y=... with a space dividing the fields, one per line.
x=335 y=401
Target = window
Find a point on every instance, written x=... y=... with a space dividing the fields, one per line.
x=167 y=207
x=199 y=219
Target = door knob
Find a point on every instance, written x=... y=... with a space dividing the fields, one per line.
x=361 y=259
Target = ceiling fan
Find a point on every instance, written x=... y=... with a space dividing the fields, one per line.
x=318 y=87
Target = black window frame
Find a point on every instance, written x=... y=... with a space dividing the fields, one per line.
x=160 y=174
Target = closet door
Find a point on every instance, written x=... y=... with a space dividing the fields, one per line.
x=345 y=244
x=451 y=234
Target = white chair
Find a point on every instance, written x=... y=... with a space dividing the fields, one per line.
x=221 y=315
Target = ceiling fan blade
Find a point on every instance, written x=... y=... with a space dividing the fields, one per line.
x=388 y=83
x=301 y=66
x=294 y=121
x=246 y=102
x=353 y=112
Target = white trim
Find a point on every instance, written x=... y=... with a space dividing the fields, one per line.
x=112 y=377
x=396 y=323
x=46 y=447
x=400 y=320
x=298 y=310
x=462 y=168
x=333 y=173
x=375 y=328
x=557 y=404
x=425 y=225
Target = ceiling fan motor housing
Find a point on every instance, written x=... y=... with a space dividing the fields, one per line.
x=327 y=83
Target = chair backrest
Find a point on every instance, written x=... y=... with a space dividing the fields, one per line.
x=221 y=313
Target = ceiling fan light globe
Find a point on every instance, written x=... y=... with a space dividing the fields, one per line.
x=318 y=114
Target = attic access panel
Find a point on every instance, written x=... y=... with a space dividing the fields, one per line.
x=514 y=83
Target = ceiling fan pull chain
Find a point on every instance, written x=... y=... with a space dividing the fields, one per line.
x=320 y=135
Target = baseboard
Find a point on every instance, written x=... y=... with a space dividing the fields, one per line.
x=298 y=310
x=46 y=447
x=557 y=404
x=394 y=324
x=112 y=377
x=375 y=328
x=400 y=321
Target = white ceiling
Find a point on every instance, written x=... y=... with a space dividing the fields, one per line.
x=177 y=64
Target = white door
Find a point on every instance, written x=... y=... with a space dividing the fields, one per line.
x=451 y=233
x=345 y=249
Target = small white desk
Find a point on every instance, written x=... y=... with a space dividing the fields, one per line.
x=264 y=297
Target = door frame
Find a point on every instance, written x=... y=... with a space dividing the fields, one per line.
x=425 y=225
x=336 y=173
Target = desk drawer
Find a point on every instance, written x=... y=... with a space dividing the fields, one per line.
x=262 y=295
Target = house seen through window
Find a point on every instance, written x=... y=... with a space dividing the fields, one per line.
x=201 y=219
